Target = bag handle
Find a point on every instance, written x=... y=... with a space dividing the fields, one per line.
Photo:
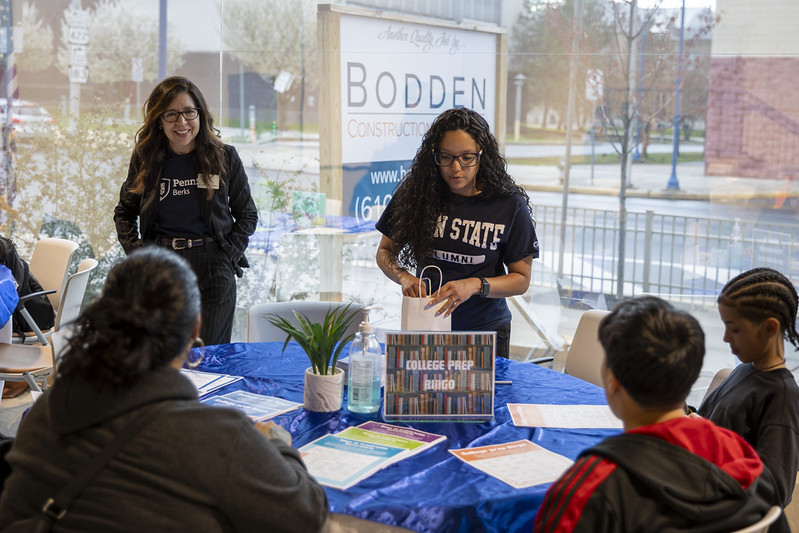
x=440 y=278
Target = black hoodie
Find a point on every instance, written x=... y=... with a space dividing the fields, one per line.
x=684 y=474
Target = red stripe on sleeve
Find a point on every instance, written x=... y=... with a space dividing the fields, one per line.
x=565 y=500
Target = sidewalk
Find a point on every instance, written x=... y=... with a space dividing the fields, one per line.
x=651 y=181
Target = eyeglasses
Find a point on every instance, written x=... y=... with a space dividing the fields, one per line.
x=464 y=160
x=190 y=113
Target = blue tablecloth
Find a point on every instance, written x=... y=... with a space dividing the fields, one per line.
x=8 y=295
x=432 y=491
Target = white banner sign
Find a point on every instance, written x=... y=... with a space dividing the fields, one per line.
x=396 y=77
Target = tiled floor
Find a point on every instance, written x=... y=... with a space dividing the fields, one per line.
x=11 y=411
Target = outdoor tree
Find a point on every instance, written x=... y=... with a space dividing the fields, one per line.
x=37 y=41
x=541 y=48
x=117 y=35
x=623 y=101
x=72 y=175
x=274 y=36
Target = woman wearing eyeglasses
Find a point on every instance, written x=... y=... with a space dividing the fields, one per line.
x=187 y=190
x=458 y=208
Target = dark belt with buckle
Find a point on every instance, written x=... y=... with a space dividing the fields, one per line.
x=181 y=243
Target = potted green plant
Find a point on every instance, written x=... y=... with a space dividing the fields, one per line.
x=322 y=343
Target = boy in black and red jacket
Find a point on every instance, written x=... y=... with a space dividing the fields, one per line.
x=667 y=471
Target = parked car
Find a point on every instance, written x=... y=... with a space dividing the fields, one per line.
x=28 y=118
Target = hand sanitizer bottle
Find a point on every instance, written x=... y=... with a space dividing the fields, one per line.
x=365 y=369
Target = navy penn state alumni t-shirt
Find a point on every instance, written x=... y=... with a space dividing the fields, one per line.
x=477 y=236
x=179 y=212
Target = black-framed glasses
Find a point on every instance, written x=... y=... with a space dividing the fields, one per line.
x=443 y=159
x=190 y=113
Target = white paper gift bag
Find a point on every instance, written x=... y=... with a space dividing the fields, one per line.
x=417 y=316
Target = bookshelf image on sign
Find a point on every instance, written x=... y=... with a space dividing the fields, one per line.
x=435 y=375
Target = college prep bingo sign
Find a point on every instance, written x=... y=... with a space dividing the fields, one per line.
x=396 y=76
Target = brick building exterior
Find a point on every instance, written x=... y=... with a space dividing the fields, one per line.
x=753 y=112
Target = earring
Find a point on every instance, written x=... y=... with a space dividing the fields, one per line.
x=198 y=343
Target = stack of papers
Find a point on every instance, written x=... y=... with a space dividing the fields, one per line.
x=344 y=459
x=520 y=464
x=255 y=406
x=563 y=416
x=206 y=382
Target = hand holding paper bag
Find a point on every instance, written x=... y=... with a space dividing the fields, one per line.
x=416 y=315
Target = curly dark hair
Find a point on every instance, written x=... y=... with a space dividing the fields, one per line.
x=142 y=321
x=763 y=293
x=152 y=143
x=419 y=199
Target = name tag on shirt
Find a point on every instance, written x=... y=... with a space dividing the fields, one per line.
x=213 y=179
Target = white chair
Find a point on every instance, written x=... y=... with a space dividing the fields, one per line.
x=70 y=302
x=49 y=264
x=31 y=364
x=584 y=358
x=259 y=329
x=718 y=377
x=761 y=526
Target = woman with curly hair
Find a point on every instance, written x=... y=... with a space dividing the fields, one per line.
x=191 y=467
x=187 y=191
x=458 y=208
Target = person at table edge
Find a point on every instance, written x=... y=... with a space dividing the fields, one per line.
x=193 y=467
x=459 y=209
x=668 y=471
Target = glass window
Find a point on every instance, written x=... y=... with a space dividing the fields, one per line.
x=678 y=171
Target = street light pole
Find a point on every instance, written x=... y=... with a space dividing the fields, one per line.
x=162 y=40
x=7 y=176
x=673 y=184
x=636 y=153
x=577 y=31
x=518 y=81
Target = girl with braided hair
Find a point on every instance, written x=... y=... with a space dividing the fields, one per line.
x=459 y=209
x=760 y=398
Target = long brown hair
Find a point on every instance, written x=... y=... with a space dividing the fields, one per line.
x=152 y=143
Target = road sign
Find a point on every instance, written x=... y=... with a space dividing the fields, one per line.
x=78 y=74
x=136 y=69
x=77 y=55
x=78 y=35
x=79 y=18
x=594 y=80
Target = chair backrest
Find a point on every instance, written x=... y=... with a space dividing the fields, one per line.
x=584 y=359
x=259 y=329
x=718 y=377
x=49 y=265
x=58 y=342
x=74 y=289
x=761 y=526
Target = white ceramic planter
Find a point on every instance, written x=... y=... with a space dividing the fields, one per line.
x=323 y=393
